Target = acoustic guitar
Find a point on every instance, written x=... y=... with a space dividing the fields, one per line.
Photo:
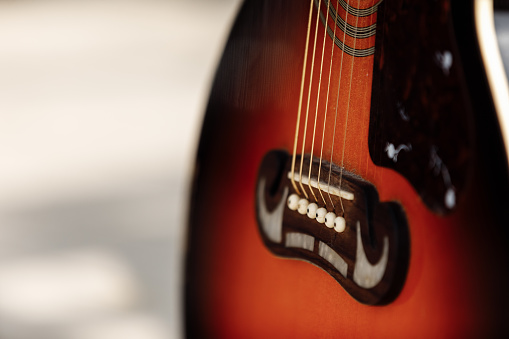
x=352 y=175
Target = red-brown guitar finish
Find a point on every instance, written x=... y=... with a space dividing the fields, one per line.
x=457 y=281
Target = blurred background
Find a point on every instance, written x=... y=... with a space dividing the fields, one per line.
x=101 y=104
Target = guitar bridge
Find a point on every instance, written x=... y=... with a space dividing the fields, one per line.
x=338 y=224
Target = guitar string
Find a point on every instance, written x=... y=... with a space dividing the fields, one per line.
x=337 y=108
x=327 y=104
x=300 y=100
x=316 y=110
x=348 y=109
x=307 y=108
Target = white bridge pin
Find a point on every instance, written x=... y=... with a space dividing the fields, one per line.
x=312 y=210
x=320 y=215
x=303 y=206
x=329 y=219
x=339 y=224
x=293 y=202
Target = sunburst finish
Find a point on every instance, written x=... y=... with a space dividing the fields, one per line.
x=456 y=279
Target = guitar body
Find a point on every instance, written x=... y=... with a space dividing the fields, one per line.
x=442 y=203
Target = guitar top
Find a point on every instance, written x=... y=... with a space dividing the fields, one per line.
x=366 y=140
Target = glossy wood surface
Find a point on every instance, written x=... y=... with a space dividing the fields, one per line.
x=457 y=280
